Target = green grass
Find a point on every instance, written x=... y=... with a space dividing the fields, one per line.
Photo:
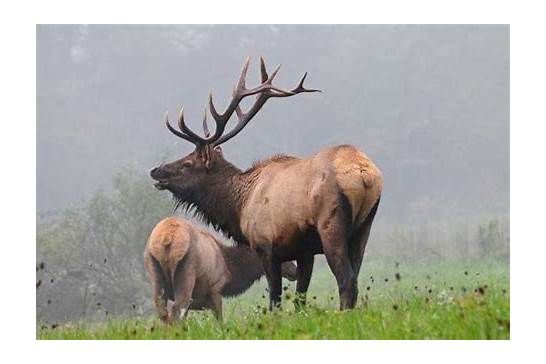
x=430 y=300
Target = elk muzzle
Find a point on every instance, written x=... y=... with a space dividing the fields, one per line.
x=161 y=176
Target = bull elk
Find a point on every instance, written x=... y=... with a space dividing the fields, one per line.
x=192 y=268
x=285 y=208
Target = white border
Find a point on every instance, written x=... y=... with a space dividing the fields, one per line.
x=18 y=167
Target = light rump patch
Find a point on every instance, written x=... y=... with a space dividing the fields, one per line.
x=359 y=180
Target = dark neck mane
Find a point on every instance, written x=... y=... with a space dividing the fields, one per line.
x=220 y=200
x=245 y=267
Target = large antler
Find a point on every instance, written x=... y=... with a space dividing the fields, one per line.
x=266 y=94
x=265 y=91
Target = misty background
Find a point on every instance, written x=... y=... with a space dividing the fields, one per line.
x=428 y=104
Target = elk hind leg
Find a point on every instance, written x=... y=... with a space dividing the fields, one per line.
x=359 y=240
x=332 y=229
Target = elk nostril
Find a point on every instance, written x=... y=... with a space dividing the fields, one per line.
x=154 y=171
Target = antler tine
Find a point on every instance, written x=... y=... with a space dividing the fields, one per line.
x=186 y=130
x=238 y=94
x=241 y=84
x=241 y=92
x=220 y=119
x=268 y=91
x=270 y=78
x=299 y=88
x=263 y=70
x=205 y=126
x=176 y=132
x=212 y=109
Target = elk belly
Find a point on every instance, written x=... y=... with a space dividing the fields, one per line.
x=274 y=217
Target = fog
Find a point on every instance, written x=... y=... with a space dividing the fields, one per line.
x=428 y=104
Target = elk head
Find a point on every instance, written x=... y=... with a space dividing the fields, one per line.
x=184 y=176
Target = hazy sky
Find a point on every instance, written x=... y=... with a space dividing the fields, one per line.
x=429 y=104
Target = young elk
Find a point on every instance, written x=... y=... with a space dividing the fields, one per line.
x=285 y=208
x=190 y=267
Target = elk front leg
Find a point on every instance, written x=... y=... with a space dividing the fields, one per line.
x=304 y=271
x=272 y=268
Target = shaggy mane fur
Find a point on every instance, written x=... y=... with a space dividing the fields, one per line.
x=218 y=203
x=274 y=159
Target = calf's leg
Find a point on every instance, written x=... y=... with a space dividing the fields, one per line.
x=216 y=305
x=183 y=284
x=159 y=287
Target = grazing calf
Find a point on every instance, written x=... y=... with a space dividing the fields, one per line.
x=192 y=268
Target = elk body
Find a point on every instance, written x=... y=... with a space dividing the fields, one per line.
x=284 y=208
x=192 y=268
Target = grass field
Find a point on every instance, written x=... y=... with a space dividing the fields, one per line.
x=444 y=299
